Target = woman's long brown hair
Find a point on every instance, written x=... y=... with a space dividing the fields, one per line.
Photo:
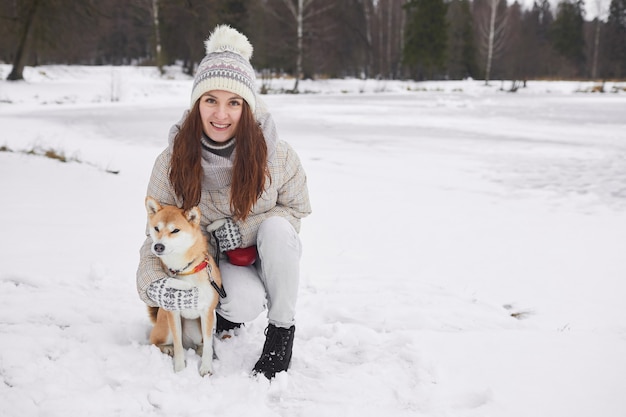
x=249 y=168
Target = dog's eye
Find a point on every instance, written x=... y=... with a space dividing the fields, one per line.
x=175 y=230
x=156 y=228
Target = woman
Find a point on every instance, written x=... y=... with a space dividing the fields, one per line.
x=225 y=157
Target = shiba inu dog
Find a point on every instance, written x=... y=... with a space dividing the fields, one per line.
x=178 y=241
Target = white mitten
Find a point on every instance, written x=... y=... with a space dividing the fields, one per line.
x=175 y=295
x=227 y=233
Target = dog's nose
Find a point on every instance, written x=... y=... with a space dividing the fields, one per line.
x=159 y=247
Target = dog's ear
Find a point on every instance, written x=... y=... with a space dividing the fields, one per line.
x=152 y=206
x=193 y=215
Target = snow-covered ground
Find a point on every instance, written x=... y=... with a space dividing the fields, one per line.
x=465 y=256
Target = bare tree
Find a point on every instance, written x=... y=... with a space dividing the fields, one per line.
x=490 y=37
x=302 y=12
x=385 y=21
x=492 y=25
x=367 y=11
x=17 y=72
x=157 y=36
x=47 y=27
x=297 y=11
x=601 y=11
x=496 y=34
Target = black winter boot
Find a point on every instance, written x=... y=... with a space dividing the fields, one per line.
x=224 y=325
x=277 y=349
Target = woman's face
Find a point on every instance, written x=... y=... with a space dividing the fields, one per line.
x=220 y=112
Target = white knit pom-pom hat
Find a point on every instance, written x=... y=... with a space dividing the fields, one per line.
x=226 y=66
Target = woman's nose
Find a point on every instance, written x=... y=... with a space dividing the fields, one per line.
x=220 y=112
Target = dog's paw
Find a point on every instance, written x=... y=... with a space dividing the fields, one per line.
x=206 y=369
x=179 y=364
x=167 y=349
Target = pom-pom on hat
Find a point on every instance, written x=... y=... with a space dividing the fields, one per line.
x=226 y=66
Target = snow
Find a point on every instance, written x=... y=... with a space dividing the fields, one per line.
x=465 y=256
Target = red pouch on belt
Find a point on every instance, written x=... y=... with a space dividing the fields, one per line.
x=242 y=256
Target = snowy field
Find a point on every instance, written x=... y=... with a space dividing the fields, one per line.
x=465 y=255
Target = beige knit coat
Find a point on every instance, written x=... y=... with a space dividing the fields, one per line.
x=286 y=195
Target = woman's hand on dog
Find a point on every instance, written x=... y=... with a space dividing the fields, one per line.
x=174 y=295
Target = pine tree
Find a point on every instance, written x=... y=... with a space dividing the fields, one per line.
x=567 y=33
x=616 y=38
x=425 y=37
x=535 y=40
x=461 y=46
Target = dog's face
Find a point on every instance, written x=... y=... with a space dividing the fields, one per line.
x=173 y=230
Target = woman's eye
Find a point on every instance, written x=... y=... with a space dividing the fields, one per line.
x=175 y=230
x=235 y=103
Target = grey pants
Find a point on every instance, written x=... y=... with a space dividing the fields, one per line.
x=272 y=282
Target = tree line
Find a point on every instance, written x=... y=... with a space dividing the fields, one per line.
x=389 y=39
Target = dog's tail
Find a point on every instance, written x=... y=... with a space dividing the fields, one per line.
x=153 y=311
